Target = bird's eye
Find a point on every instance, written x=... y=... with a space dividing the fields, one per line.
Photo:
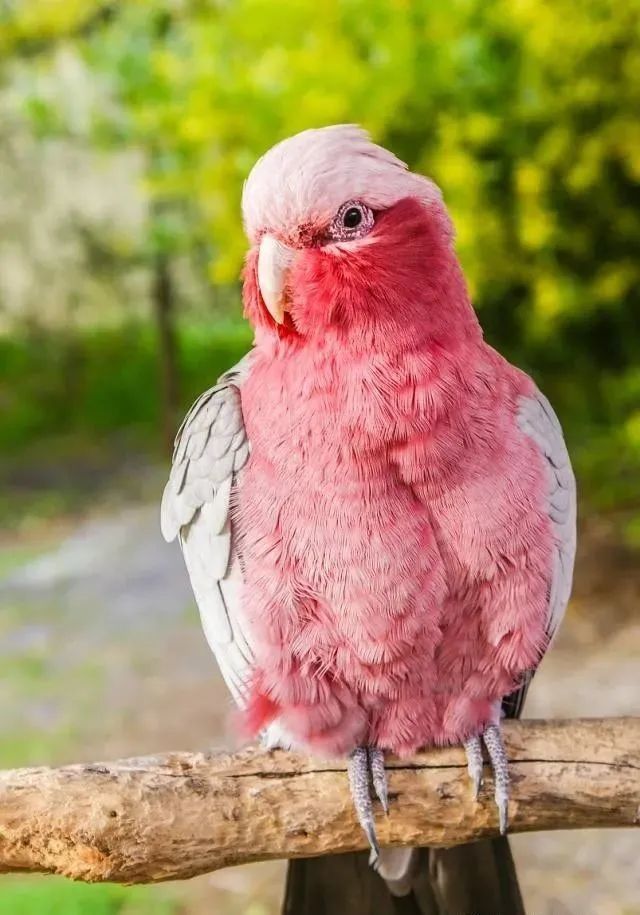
x=353 y=220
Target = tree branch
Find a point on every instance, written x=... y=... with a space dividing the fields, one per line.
x=175 y=816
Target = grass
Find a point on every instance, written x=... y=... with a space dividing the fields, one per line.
x=46 y=698
x=47 y=703
x=57 y=896
x=12 y=556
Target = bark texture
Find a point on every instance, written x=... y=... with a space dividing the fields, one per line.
x=174 y=816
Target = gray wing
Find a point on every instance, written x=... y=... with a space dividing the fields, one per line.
x=537 y=419
x=211 y=448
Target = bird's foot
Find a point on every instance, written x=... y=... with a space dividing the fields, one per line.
x=367 y=764
x=473 y=749
x=492 y=739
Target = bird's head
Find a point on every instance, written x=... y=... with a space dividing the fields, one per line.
x=344 y=236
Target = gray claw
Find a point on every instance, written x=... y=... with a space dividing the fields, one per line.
x=473 y=749
x=492 y=739
x=379 y=777
x=374 y=854
x=503 y=813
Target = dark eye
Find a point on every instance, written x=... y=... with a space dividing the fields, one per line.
x=353 y=220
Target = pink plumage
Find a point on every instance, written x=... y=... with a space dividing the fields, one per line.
x=395 y=555
x=392 y=517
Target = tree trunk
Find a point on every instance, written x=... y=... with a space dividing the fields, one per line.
x=164 y=311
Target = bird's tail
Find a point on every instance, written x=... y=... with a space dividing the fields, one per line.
x=475 y=879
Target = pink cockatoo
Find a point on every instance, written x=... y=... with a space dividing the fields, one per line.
x=377 y=511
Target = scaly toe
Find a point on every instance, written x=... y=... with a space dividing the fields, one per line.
x=379 y=777
x=503 y=813
x=473 y=749
x=359 y=781
x=492 y=739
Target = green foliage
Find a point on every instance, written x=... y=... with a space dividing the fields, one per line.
x=56 y=896
x=30 y=25
x=204 y=92
x=102 y=380
x=525 y=112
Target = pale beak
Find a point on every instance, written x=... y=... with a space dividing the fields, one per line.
x=274 y=263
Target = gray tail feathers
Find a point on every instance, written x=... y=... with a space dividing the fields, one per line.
x=475 y=879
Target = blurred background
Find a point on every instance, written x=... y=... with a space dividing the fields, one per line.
x=126 y=130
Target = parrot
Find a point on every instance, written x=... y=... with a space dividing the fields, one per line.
x=377 y=511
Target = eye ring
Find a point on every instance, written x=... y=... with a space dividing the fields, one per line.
x=353 y=220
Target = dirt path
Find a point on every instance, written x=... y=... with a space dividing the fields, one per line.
x=108 y=659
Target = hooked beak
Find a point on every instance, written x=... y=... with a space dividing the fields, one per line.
x=274 y=263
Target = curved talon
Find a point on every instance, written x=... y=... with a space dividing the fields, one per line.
x=473 y=749
x=492 y=739
x=374 y=854
x=379 y=777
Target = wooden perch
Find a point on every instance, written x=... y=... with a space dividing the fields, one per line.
x=175 y=816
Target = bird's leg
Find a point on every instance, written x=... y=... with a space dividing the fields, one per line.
x=365 y=764
x=492 y=739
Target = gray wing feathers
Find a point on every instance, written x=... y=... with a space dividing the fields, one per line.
x=537 y=419
x=211 y=449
